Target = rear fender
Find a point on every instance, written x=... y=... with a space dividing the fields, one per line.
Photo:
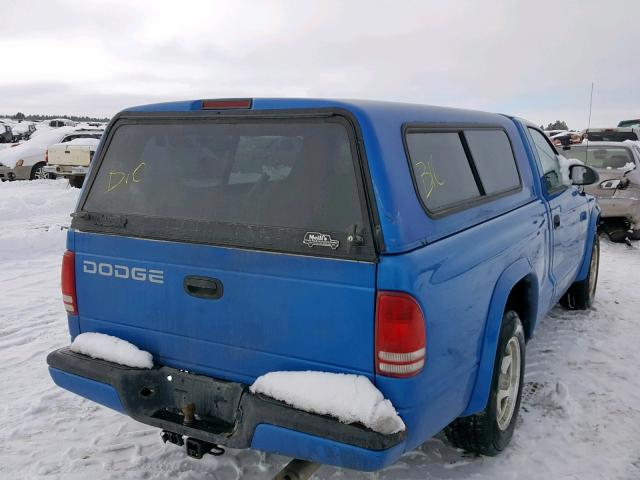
x=591 y=233
x=509 y=278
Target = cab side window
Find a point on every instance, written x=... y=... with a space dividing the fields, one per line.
x=455 y=169
x=443 y=176
x=548 y=159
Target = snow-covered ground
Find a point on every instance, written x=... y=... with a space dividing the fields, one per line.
x=580 y=418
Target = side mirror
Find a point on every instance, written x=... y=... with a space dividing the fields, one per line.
x=583 y=175
x=565 y=141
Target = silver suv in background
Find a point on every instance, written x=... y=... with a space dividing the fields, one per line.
x=617 y=134
x=618 y=190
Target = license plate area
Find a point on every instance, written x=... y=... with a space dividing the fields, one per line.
x=167 y=394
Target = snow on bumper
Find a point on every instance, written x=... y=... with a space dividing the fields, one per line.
x=347 y=397
x=227 y=412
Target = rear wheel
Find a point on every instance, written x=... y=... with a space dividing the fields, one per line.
x=634 y=234
x=616 y=230
x=581 y=294
x=490 y=431
x=38 y=173
x=76 y=181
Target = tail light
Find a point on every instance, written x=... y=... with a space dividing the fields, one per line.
x=69 y=282
x=46 y=156
x=400 y=335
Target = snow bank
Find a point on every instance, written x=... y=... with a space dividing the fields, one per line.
x=565 y=163
x=52 y=200
x=112 y=349
x=349 y=398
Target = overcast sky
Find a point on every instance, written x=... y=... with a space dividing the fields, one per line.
x=532 y=58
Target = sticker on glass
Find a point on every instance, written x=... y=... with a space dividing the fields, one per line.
x=317 y=239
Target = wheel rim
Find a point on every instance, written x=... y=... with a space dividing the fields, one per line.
x=593 y=272
x=508 y=383
x=41 y=174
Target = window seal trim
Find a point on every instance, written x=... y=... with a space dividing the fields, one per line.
x=418 y=127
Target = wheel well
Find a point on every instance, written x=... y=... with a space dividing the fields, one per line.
x=523 y=300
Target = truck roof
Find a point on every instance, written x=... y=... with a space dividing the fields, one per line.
x=402 y=218
x=371 y=107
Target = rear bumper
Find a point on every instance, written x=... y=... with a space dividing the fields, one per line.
x=7 y=173
x=624 y=204
x=227 y=413
x=67 y=170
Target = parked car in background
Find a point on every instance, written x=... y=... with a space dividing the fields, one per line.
x=212 y=232
x=23 y=130
x=564 y=138
x=27 y=160
x=611 y=134
x=618 y=190
x=61 y=122
x=71 y=159
x=6 y=133
x=630 y=123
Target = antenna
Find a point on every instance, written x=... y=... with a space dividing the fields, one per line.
x=586 y=153
x=590 y=105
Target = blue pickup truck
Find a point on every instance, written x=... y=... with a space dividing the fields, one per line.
x=417 y=246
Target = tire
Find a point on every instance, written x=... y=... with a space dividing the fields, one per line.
x=580 y=294
x=490 y=431
x=634 y=234
x=76 y=181
x=37 y=172
x=617 y=231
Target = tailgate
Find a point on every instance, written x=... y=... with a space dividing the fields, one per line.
x=275 y=312
x=230 y=249
x=74 y=155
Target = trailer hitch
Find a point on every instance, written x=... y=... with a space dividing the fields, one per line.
x=195 y=448
x=198 y=448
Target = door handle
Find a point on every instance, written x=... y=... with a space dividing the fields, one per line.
x=203 y=287
x=556 y=221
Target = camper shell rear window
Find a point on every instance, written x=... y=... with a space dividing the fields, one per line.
x=289 y=185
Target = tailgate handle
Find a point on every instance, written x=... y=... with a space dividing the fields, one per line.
x=203 y=287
